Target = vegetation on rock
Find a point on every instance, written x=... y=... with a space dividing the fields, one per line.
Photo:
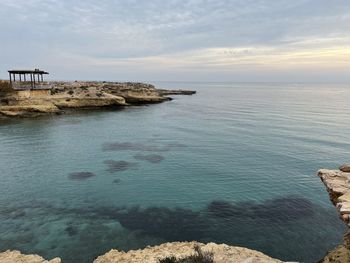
x=5 y=86
x=198 y=257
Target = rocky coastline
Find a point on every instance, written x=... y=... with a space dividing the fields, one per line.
x=57 y=97
x=221 y=254
x=17 y=257
x=337 y=183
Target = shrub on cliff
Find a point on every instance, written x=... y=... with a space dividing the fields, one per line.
x=5 y=86
x=198 y=257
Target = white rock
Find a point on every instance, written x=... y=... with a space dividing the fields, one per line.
x=16 y=257
x=222 y=254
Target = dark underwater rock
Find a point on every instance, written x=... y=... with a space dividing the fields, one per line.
x=81 y=175
x=119 y=166
x=152 y=158
x=131 y=146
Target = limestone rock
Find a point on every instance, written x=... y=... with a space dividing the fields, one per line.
x=222 y=254
x=338 y=187
x=344 y=198
x=340 y=254
x=77 y=94
x=22 y=110
x=345 y=168
x=336 y=182
x=88 y=102
x=16 y=257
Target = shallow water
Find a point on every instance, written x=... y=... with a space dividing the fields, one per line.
x=234 y=164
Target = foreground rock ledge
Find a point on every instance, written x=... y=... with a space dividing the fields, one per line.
x=222 y=254
x=17 y=257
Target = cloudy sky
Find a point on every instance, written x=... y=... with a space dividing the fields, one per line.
x=184 y=40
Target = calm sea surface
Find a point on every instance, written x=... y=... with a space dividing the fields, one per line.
x=234 y=164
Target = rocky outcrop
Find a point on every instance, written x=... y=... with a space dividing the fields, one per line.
x=221 y=254
x=338 y=187
x=60 y=96
x=340 y=254
x=28 y=110
x=16 y=257
x=337 y=183
x=176 y=92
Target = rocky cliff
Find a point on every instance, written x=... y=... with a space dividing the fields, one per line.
x=337 y=183
x=179 y=250
x=60 y=96
x=221 y=254
x=338 y=187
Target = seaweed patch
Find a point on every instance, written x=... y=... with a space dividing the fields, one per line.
x=285 y=209
x=119 y=166
x=130 y=146
x=117 y=181
x=152 y=158
x=71 y=230
x=81 y=175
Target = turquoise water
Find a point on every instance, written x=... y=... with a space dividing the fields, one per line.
x=233 y=164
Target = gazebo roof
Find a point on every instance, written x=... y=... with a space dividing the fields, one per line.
x=26 y=71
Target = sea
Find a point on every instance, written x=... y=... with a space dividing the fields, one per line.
x=235 y=163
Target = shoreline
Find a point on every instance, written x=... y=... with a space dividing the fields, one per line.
x=56 y=97
x=221 y=253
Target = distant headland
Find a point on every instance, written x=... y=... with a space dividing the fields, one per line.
x=26 y=94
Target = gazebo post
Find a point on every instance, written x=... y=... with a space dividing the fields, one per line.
x=31 y=81
x=10 y=77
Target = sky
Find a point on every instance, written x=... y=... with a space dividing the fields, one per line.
x=178 y=40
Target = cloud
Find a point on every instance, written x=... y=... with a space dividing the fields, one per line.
x=147 y=36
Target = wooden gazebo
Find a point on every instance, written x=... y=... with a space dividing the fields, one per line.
x=34 y=76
